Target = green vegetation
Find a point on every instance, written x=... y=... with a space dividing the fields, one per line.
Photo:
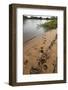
x=50 y=24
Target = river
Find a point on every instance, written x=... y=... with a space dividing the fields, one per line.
x=32 y=29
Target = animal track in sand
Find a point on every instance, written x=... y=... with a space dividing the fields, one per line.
x=44 y=66
x=25 y=62
x=41 y=51
x=41 y=47
x=35 y=70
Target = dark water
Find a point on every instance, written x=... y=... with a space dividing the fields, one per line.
x=32 y=29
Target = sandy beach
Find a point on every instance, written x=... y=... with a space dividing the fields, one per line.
x=40 y=54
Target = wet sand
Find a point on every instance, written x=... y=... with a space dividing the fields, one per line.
x=40 y=54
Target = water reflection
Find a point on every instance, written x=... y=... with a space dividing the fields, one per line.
x=31 y=28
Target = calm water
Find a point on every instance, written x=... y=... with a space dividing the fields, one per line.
x=32 y=28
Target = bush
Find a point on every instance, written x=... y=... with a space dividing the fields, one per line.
x=51 y=24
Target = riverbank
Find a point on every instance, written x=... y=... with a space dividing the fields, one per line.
x=40 y=54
